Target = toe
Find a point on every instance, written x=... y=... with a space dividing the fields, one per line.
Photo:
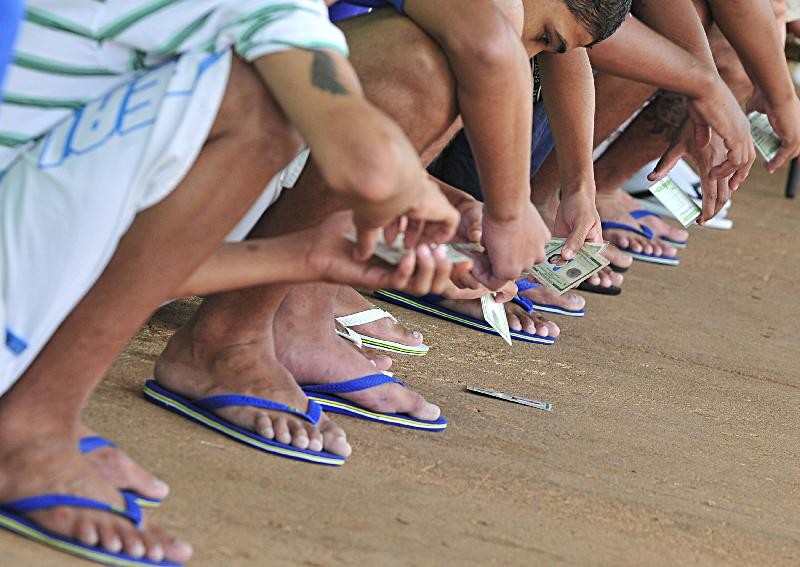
x=299 y=434
x=282 y=433
x=514 y=322
x=86 y=532
x=263 y=426
x=110 y=539
x=334 y=439
x=315 y=440
x=135 y=544
x=419 y=406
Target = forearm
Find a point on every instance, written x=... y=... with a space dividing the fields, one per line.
x=494 y=85
x=751 y=28
x=638 y=53
x=677 y=21
x=250 y=263
x=568 y=87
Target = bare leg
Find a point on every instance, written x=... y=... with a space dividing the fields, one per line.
x=39 y=416
x=229 y=345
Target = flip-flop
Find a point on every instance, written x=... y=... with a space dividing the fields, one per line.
x=12 y=518
x=599 y=289
x=370 y=316
x=200 y=412
x=640 y=214
x=524 y=285
x=428 y=305
x=327 y=396
x=642 y=230
x=95 y=442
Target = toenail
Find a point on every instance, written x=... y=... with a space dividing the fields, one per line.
x=183 y=547
x=416 y=334
x=137 y=549
x=161 y=486
x=115 y=545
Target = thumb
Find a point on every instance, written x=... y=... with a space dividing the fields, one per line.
x=575 y=241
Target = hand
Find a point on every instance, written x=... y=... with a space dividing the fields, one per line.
x=785 y=120
x=719 y=111
x=431 y=220
x=577 y=219
x=331 y=256
x=716 y=191
x=513 y=246
x=470 y=229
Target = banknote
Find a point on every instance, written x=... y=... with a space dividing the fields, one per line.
x=545 y=406
x=764 y=137
x=393 y=253
x=676 y=201
x=495 y=314
x=590 y=247
x=561 y=275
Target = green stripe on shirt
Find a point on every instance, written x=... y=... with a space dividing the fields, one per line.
x=37 y=102
x=35 y=63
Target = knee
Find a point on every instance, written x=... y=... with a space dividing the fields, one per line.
x=405 y=74
x=250 y=114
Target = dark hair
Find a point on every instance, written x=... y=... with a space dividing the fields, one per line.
x=601 y=18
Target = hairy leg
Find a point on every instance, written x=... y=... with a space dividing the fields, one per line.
x=39 y=416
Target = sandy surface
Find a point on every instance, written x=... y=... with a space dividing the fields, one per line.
x=674 y=439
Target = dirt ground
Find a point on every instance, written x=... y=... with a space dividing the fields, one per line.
x=674 y=438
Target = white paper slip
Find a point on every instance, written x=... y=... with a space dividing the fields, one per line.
x=561 y=275
x=676 y=201
x=495 y=314
x=764 y=137
x=544 y=406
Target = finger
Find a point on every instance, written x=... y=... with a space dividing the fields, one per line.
x=669 y=160
x=709 y=188
x=702 y=135
x=394 y=229
x=785 y=153
x=365 y=247
x=723 y=195
x=404 y=270
x=422 y=279
x=414 y=232
x=442 y=271
x=575 y=241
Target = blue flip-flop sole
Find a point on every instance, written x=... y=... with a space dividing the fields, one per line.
x=185 y=408
x=26 y=528
x=335 y=404
x=426 y=308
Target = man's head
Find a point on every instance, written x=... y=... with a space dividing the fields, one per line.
x=560 y=25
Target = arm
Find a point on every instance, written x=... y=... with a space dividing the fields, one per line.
x=494 y=93
x=568 y=87
x=751 y=29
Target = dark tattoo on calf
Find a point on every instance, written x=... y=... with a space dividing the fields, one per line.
x=323 y=74
x=666 y=114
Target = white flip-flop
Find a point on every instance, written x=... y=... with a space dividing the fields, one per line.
x=370 y=316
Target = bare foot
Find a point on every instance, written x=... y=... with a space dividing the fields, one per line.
x=349 y=301
x=607 y=278
x=570 y=301
x=121 y=471
x=195 y=370
x=49 y=466
x=613 y=207
x=518 y=318
x=660 y=228
x=334 y=361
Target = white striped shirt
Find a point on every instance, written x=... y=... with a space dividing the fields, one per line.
x=69 y=52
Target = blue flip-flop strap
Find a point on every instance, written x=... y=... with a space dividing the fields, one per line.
x=524 y=284
x=524 y=302
x=642 y=230
x=236 y=400
x=641 y=214
x=132 y=511
x=357 y=385
x=93 y=443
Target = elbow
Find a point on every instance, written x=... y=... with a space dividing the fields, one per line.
x=494 y=45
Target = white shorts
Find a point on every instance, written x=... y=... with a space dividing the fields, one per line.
x=66 y=202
